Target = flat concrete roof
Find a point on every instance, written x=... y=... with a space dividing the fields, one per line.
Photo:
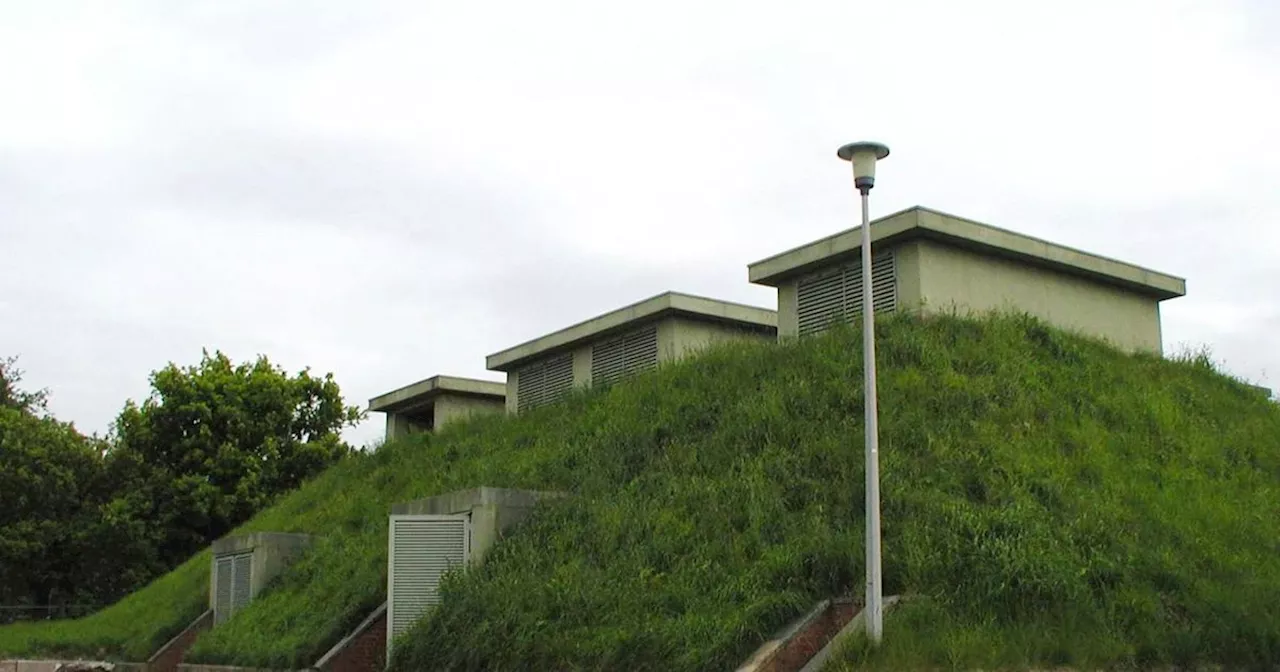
x=662 y=305
x=921 y=222
x=423 y=391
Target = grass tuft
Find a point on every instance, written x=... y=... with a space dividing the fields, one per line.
x=1047 y=500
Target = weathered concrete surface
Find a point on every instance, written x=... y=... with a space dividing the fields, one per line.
x=430 y=404
x=493 y=511
x=187 y=667
x=684 y=324
x=272 y=552
x=920 y=222
x=68 y=666
x=695 y=307
x=948 y=264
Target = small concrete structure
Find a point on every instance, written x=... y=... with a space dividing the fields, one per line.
x=623 y=342
x=431 y=537
x=430 y=404
x=931 y=261
x=492 y=511
x=244 y=564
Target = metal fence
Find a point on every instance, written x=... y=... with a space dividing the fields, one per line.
x=49 y=612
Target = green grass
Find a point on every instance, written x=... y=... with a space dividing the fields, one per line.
x=130 y=630
x=1048 y=499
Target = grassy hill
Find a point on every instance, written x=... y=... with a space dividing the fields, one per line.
x=1049 y=500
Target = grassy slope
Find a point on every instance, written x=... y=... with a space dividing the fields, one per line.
x=1029 y=477
x=132 y=629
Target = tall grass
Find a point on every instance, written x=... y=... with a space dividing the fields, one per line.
x=1033 y=482
x=131 y=629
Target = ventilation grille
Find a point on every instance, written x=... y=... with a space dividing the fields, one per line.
x=624 y=356
x=232 y=574
x=544 y=382
x=241 y=571
x=222 y=589
x=835 y=294
x=423 y=548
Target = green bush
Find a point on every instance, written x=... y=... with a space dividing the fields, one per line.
x=1041 y=492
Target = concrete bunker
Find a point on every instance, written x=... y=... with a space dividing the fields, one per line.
x=430 y=404
x=930 y=261
x=244 y=564
x=430 y=537
x=614 y=346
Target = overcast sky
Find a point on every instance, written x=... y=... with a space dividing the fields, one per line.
x=388 y=190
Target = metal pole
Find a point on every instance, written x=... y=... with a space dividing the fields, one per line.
x=874 y=605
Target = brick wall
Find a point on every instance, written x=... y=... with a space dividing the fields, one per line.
x=366 y=651
x=171 y=654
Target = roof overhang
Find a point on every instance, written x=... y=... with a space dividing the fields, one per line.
x=919 y=222
x=657 y=307
x=425 y=392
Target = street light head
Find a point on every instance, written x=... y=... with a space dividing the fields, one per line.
x=863 y=156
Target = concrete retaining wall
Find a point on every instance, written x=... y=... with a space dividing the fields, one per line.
x=792 y=647
x=187 y=667
x=171 y=654
x=52 y=665
x=363 y=650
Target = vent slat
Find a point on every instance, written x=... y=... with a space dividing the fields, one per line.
x=833 y=295
x=242 y=575
x=222 y=589
x=544 y=381
x=624 y=356
x=423 y=549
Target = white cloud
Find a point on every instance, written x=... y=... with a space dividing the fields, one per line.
x=389 y=190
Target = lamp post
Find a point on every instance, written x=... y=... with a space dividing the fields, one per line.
x=863 y=156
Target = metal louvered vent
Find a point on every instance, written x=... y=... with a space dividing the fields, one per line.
x=422 y=549
x=221 y=589
x=624 y=356
x=835 y=294
x=544 y=382
x=241 y=575
x=231 y=585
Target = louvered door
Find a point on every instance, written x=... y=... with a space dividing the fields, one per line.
x=624 y=356
x=231 y=583
x=222 y=568
x=421 y=549
x=544 y=381
x=835 y=294
x=241 y=576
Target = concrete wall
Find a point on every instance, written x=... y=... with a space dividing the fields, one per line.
x=907 y=268
x=971 y=283
x=171 y=654
x=188 y=667
x=399 y=424
x=935 y=277
x=678 y=336
x=272 y=552
x=581 y=376
x=493 y=511
x=362 y=650
x=452 y=407
x=52 y=665
x=690 y=336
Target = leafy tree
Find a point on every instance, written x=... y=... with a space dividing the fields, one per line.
x=51 y=483
x=215 y=443
x=11 y=396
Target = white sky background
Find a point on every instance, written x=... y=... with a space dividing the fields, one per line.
x=393 y=190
